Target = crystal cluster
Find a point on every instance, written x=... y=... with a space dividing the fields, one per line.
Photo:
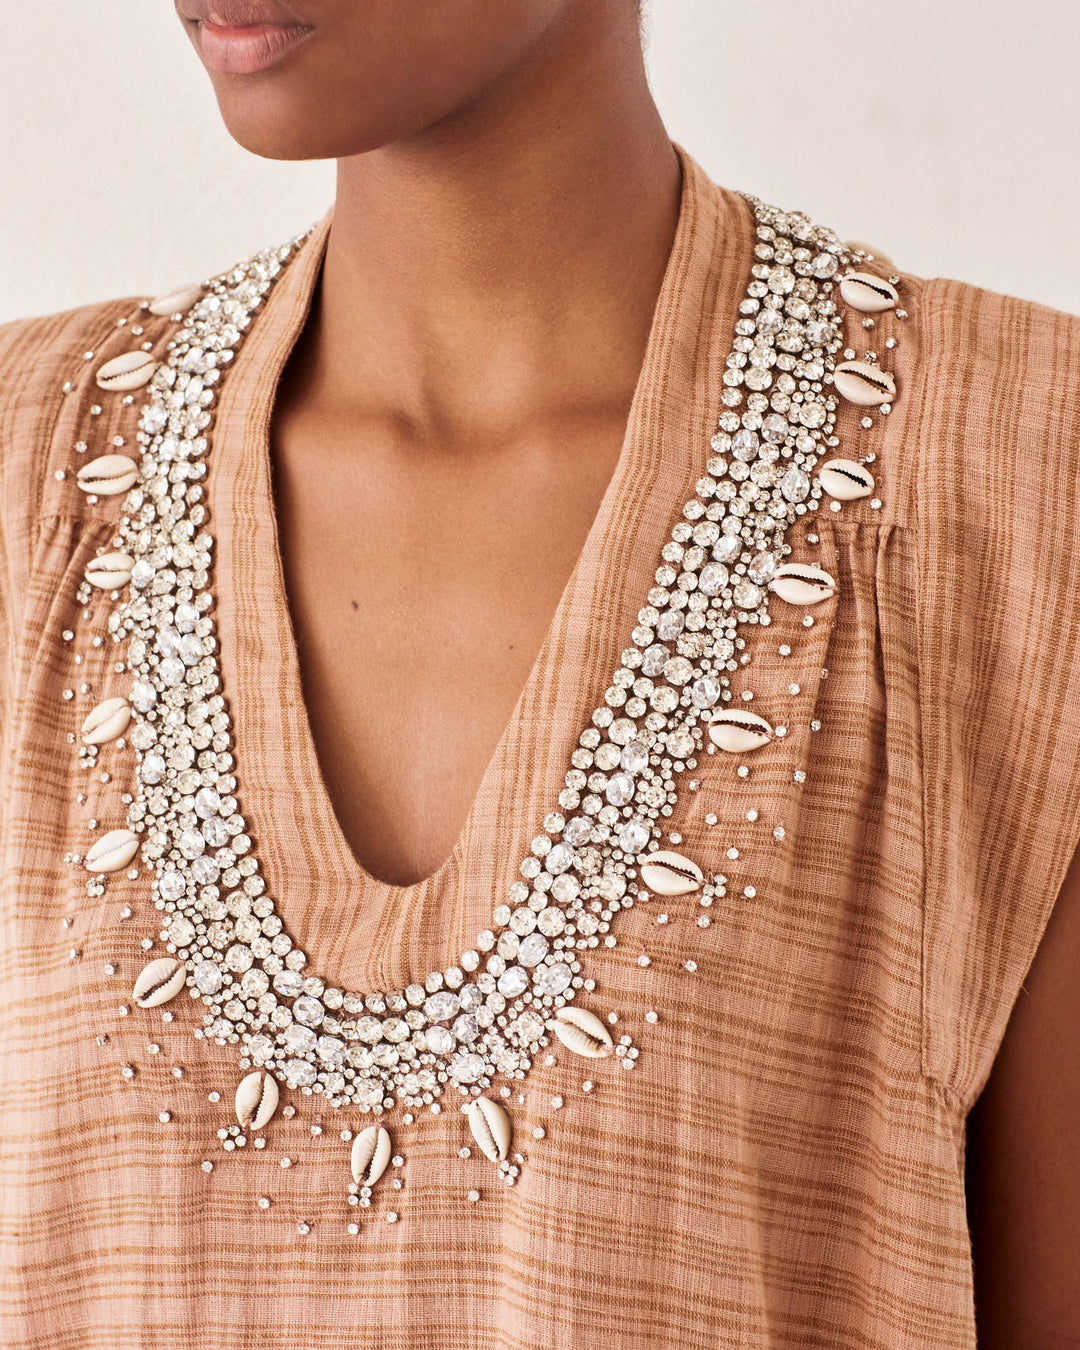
x=489 y=1014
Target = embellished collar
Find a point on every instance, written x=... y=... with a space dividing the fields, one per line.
x=276 y=988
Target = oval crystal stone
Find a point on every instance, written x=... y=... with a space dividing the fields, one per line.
x=466 y=1027
x=529 y=1027
x=634 y=757
x=214 y=832
x=552 y=979
x=171 y=671
x=633 y=836
x=559 y=860
x=744 y=445
x=671 y=624
x=442 y=1006
x=208 y=978
x=440 y=1040
x=578 y=831
x=142 y=574
x=762 y=568
x=395 y=1030
x=331 y=1050
x=288 y=983
x=513 y=981
x=795 y=485
x=299 y=1040
x=172 y=886
x=652 y=660
x=299 y=1072
x=308 y=1010
x=260 y=1047
x=206 y=871
x=143 y=695
x=368 y=1092
x=726 y=549
x=746 y=594
x=181 y=931
x=207 y=803
x=532 y=951
x=620 y=789
x=467 y=1067
x=705 y=692
x=192 y=844
x=713 y=578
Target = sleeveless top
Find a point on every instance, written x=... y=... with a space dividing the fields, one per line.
x=240 y=1076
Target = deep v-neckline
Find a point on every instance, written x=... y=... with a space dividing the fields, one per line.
x=357 y=930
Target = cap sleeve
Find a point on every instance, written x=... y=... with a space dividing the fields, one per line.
x=998 y=505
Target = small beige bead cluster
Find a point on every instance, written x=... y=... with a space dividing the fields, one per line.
x=601 y=847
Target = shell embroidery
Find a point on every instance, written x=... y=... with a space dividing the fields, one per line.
x=476 y=1027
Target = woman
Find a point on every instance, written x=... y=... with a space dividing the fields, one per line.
x=343 y=878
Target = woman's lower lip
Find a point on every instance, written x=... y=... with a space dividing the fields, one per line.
x=245 y=51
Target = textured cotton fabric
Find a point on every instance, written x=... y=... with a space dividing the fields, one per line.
x=784 y=1165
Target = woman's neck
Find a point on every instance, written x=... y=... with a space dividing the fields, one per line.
x=509 y=258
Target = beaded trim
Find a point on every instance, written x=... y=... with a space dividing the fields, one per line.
x=487 y=1017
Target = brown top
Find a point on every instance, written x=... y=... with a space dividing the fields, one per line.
x=784 y=1166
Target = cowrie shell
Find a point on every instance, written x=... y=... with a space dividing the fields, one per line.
x=802 y=583
x=668 y=873
x=112 y=851
x=109 y=571
x=129 y=370
x=739 y=731
x=857 y=246
x=108 y=475
x=491 y=1127
x=582 y=1032
x=175 y=302
x=845 y=480
x=863 y=384
x=256 y=1099
x=370 y=1155
x=107 y=721
x=159 y=981
x=867 y=293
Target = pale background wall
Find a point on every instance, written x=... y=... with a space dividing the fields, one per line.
x=945 y=131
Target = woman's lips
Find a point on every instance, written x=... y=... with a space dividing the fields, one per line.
x=244 y=50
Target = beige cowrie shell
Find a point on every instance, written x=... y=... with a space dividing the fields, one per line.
x=582 y=1032
x=109 y=571
x=112 y=851
x=876 y=254
x=256 y=1099
x=370 y=1155
x=863 y=384
x=667 y=873
x=175 y=302
x=845 y=479
x=159 y=981
x=867 y=293
x=108 y=475
x=802 y=583
x=129 y=370
x=491 y=1127
x=107 y=721
x=739 y=731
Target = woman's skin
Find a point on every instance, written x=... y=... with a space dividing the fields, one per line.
x=444 y=432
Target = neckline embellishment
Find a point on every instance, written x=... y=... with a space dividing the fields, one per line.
x=478 y=1025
